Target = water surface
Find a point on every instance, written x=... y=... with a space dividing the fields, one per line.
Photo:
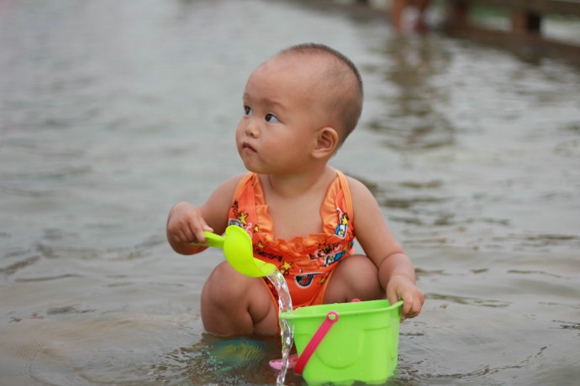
x=110 y=112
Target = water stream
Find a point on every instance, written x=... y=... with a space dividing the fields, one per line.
x=286 y=327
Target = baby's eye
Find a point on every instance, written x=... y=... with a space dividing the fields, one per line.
x=247 y=110
x=271 y=118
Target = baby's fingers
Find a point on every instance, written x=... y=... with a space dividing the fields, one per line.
x=186 y=224
x=401 y=288
x=393 y=297
x=199 y=233
x=412 y=304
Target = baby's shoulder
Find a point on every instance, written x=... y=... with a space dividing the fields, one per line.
x=358 y=186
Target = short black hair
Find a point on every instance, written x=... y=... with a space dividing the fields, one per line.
x=349 y=108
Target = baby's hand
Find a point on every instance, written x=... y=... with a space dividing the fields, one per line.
x=185 y=226
x=403 y=288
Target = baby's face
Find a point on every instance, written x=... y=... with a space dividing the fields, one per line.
x=282 y=113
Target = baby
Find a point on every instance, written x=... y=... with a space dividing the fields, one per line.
x=302 y=215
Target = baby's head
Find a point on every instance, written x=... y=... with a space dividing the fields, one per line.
x=336 y=81
x=327 y=81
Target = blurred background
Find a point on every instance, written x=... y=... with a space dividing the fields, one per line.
x=112 y=111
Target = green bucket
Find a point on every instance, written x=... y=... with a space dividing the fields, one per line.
x=360 y=345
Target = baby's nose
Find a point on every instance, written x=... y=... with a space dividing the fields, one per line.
x=252 y=128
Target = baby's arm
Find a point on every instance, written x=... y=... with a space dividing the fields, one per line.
x=186 y=222
x=395 y=269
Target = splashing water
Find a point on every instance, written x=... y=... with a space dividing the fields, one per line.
x=286 y=327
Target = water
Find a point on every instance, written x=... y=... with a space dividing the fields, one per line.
x=110 y=112
x=286 y=327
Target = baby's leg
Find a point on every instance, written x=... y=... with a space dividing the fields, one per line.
x=234 y=304
x=355 y=277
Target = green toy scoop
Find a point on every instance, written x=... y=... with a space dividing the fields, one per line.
x=237 y=246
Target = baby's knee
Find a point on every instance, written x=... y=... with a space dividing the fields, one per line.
x=225 y=285
x=355 y=277
x=360 y=268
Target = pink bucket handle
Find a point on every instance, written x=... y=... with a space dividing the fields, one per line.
x=331 y=318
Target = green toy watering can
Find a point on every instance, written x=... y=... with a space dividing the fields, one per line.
x=237 y=246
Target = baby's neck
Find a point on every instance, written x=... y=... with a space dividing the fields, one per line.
x=295 y=186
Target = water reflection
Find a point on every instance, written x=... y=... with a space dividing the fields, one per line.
x=223 y=361
x=412 y=119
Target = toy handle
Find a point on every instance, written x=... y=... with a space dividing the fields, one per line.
x=212 y=240
x=331 y=318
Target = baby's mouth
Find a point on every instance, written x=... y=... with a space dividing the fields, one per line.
x=246 y=146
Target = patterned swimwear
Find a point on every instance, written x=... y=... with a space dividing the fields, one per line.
x=306 y=263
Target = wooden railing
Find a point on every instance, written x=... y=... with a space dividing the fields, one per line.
x=525 y=33
x=526 y=15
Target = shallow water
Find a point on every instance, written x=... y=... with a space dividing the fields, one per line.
x=111 y=111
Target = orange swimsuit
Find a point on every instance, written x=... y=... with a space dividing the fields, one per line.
x=307 y=263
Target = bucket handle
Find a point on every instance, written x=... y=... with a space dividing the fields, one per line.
x=331 y=318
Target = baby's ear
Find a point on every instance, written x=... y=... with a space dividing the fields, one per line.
x=326 y=142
